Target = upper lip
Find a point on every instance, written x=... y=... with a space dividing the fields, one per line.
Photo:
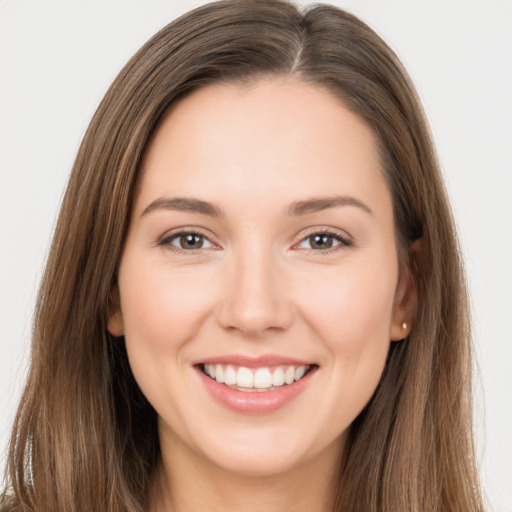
x=254 y=362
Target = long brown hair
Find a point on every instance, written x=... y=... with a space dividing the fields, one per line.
x=85 y=438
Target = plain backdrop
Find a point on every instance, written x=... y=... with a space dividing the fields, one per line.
x=57 y=59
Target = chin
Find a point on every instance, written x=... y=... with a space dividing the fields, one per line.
x=260 y=453
x=254 y=464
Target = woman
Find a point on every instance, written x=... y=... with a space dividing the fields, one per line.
x=254 y=298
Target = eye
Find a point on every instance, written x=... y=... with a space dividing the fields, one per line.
x=323 y=241
x=187 y=241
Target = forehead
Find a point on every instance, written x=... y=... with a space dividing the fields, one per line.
x=273 y=138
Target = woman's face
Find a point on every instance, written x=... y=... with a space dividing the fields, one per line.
x=261 y=251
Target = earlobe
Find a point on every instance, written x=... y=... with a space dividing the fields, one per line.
x=406 y=296
x=115 y=325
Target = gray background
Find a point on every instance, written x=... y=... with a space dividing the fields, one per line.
x=58 y=57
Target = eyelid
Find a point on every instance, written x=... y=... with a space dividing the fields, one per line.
x=342 y=236
x=165 y=240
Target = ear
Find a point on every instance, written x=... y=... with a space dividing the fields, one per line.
x=115 y=324
x=406 y=296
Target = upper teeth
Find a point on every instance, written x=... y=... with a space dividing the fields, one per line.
x=260 y=378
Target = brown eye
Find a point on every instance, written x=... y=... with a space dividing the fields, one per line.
x=324 y=241
x=187 y=241
x=191 y=241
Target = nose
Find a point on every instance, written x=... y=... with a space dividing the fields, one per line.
x=255 y=301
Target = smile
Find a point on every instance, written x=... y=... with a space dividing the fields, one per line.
x=258 y=386
x=256 y=379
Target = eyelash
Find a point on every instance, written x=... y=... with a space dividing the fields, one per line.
x=167 y=240
x=343 y=241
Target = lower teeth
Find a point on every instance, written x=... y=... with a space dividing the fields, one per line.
x=253 y=390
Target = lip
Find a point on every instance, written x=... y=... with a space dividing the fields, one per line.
x=254 y=402
x=266 y=361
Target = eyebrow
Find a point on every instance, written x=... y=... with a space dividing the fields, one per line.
x=184 y=204
x=304 y=207
x=323 y=203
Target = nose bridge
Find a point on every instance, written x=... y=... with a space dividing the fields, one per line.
x=256 y=300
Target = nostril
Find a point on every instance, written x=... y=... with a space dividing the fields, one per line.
x=254 y=319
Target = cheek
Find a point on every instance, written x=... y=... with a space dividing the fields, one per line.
x=352 y=318
x=353 y=302
x=158 y=305
x=162 y=311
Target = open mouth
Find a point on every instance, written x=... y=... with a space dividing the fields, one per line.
x=256 y=379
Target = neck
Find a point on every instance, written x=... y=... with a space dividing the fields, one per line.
x=186 y=482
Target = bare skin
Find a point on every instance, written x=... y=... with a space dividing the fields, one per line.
x=306 y=488
x=262 y=227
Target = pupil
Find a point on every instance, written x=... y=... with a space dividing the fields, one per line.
x=191 y=241
x=322 y=242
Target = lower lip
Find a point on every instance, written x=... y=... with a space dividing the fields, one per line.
x=255 y=402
